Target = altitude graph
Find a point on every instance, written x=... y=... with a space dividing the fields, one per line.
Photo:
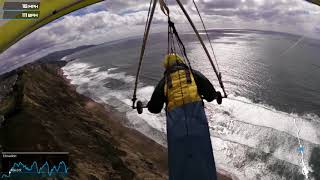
x=21 y=165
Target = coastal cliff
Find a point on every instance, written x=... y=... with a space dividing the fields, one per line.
x=41 y=111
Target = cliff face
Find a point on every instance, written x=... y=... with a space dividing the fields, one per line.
x=43 y=113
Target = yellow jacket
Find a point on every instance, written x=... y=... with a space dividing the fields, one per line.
x=180 y=87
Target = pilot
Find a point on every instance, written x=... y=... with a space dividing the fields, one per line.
x=190 y=152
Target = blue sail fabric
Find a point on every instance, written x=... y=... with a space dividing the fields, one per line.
x=189 y=145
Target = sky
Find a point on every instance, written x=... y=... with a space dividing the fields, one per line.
x=118 y=19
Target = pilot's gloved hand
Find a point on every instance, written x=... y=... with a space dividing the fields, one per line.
x=219 y=97
x=140 y=107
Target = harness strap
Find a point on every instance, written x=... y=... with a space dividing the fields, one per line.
x=188 y=76
x=169 y=81
x=177 y=68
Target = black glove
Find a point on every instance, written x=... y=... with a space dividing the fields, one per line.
x=219 y=97
x=139 y=107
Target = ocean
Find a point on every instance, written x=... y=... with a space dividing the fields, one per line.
x=272 y=80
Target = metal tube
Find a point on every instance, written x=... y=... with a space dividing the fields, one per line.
x=203 y=45
x=145 y=38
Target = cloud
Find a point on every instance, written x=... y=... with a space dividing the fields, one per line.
x=111 y=20
x=317 y=29
x=293 y=16
x=254 y=9
x=220 y=4
x=76 y=30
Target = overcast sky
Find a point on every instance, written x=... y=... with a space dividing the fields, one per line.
x=117 y=19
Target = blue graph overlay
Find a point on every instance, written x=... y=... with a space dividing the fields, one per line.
x=19 y=170
x=24 y=166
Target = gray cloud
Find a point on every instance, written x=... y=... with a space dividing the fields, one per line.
x=110 y=20
x=75 y=30
x=121 y=6
x=294 y=16
x=256 y=9
x=220 y=4
x=317 y=29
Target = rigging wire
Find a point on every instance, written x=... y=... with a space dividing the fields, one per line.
x=280 y=54
x=175 y=36
x=207 y=34
x=181 y=46
x=301 y=148
x=292 y=46
x=218 y=74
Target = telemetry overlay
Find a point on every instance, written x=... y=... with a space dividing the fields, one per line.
x=17 y=165
x=15 y=9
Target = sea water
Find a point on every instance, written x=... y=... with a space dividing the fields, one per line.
x=272 y=80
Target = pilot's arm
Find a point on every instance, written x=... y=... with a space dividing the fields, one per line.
x=157 y=100
x=205 y=88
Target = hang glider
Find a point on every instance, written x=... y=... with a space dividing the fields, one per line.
x=14 y=30
x=11 y=31
x=317 y=2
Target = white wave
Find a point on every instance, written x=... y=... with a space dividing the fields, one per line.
x=229 y=125
x=236 y=126
x=261 y=115
x=75 y=67
x=90 y=81
x=64 y=58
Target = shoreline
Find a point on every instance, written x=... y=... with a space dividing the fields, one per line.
x=222 y=174
x=53 y=117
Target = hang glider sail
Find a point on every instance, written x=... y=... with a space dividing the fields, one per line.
x=11 y=31
x=317 y=2
x=14 y=30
